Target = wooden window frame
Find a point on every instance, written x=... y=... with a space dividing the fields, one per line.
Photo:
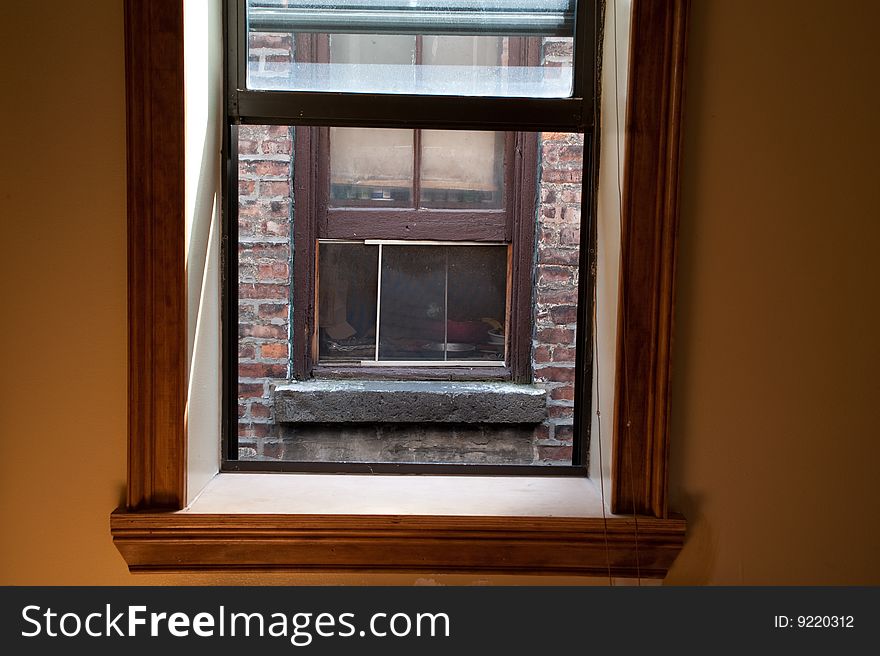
x=512 y=224
x=642 y=537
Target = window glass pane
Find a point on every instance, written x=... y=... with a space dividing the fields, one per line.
x=465 y=51
x=453 y=47
x=477 y=300
x=438 y=300
x=347 y=276
x=371 y=49
x=462 y=169
x=443 y=303
x=371 y=167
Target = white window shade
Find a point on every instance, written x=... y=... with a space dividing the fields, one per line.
x=487 y=17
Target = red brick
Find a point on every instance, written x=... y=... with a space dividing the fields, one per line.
x=560 y=454
x=274 y=271
x=564 y=432
x=572 y=215
x=273 y=311
x=560 y=412
x=274 y=188
x=555 y=175
x=275 y=228
x=572 y=153
x=555 y=336
x=247 y=228
x=262 y=252
x=541 y=432
x=247 y=351
x=246 y=313
x=554 y=255
x=255 y=430
x=570 y=236
x=260 y=411
x=274 y=450
x=282 y=146
x=554 y=275
x=557 y=296
x=555 y=374
x=275 y=351
x=261 y=370
x=563 y=314
x=262 y=332
x=247 y=146
x=564 y=354
x=542 y=354
x=246 y=187
x=571 y=195
x=268 y=168
x=259 y=290
x=260 y=208
x=562 y=393
x=250 y=390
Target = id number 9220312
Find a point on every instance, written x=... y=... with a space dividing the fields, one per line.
x=814 y=622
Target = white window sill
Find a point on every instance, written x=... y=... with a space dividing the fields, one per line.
x=308 y=522
x=364 y=494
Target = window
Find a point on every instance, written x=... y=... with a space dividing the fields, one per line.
x=154 y=534
x=393 y=248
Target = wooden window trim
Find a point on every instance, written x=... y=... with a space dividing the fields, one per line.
x=151 y=537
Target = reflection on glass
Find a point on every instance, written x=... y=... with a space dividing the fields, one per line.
x=371 y=167
x=442 y=303
x=473 y=51
x=445 y=47
x=462 y=169
x=436 y=303
x=347 y=277
x=372 y=49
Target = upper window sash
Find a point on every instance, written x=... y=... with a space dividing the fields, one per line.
x=312 y=100
x=478 y=17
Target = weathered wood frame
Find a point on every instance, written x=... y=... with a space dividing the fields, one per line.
x=151 y=538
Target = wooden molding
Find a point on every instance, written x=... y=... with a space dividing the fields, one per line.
x=648 y=245
x=153 y=540
x=156 y=277
x=157 y=542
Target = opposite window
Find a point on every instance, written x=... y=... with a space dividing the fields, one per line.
x=407 y=293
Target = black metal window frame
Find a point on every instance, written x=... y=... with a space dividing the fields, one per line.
x=575 y=114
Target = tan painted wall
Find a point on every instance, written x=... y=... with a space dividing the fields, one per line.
x=775 y=407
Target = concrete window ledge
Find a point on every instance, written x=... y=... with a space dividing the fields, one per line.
x=409 y=402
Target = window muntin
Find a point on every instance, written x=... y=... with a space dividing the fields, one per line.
x=423 y=47
x=431 y=169
x=413 y=303
x=371 y=168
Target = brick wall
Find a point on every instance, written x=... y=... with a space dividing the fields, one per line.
x=265 y=214
x=555 y=293
x=264 y=277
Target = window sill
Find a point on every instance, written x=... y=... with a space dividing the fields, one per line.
x=297 y=522
x=379 y=401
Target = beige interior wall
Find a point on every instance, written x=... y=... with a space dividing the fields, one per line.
x=775 y=412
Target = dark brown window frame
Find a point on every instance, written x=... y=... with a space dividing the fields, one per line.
x=512 y=224
x=645 y=536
